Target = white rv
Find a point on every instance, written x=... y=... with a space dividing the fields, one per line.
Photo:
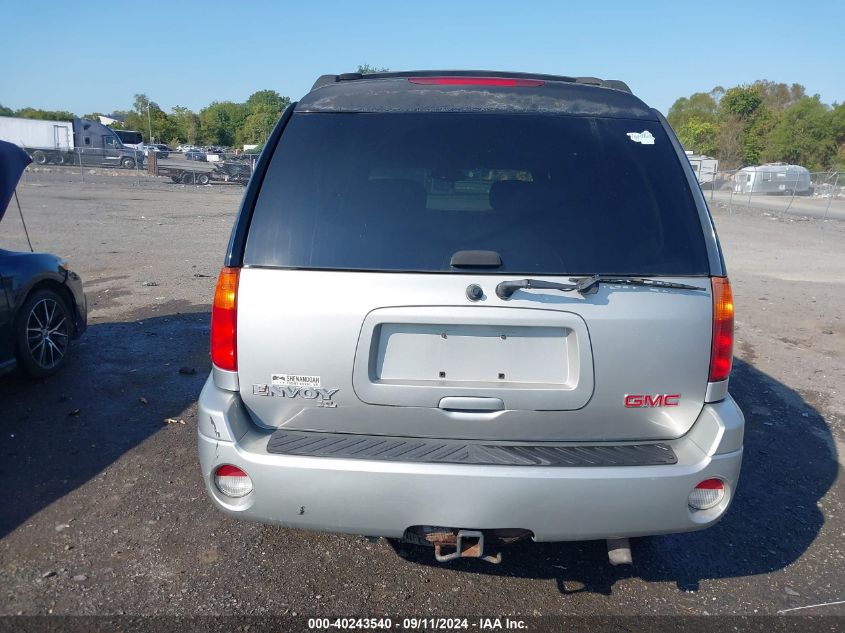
x=705 y=168
x=773 y=178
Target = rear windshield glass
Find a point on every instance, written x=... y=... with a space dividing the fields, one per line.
x=404 y=192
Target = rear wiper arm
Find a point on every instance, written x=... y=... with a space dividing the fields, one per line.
x=506 y=288
x=586 y=285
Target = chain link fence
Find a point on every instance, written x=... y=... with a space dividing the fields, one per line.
x=782 y=188
x=156 y=168
x=768 y=188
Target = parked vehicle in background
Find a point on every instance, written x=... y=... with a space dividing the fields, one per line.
x=131 y=138
x=65 y=142
x=195 y=154
x=42 y=306
x=161 y=151
x=705 y=168
x=774 y=178
x=232 y=170
x=430 y=327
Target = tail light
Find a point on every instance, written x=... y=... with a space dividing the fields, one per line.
x=721 y=350
x=707 y=494
x=224 y=320
x=505 y=82
x=232 y=481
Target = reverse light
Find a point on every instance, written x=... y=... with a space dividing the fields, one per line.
x=224 y=323
x=505 y=82
x=707 y=494
x=232 y=481
x=721 y=349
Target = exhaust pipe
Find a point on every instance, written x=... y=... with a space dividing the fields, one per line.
x=619 y=551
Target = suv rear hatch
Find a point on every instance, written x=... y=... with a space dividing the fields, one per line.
x=356 y=311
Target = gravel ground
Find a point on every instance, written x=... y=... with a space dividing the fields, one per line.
x=104 y=511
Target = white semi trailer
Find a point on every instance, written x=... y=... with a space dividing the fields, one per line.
x=64 y=142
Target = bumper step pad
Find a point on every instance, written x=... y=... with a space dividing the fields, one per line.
x=438 y=451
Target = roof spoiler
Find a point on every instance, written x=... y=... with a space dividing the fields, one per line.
x=613 y=84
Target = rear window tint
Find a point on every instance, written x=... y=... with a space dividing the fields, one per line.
x=404 y=192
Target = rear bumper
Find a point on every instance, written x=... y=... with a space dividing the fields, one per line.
x=382 y=498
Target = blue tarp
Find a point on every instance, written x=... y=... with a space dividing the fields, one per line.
x=13 y=160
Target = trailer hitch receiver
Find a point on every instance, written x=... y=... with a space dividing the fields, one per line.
x=468 y=544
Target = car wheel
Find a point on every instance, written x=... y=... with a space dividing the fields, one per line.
x=43 y=332
x=39 y=157
x=202 y=179
x=128 y=163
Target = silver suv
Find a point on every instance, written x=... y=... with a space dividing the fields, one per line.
x=466 y=308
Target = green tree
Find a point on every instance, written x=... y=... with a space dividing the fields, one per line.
x=757 y=136
x=221 y=122
x=267 y=98
x=805 y=135
x=263 y=110
x=187 y=125
x=142 y=102
x=837 y=122
x=45 y=115
x=837 y=127
x=147 y=117
x=701 y=107
x=4 y=111
x=743 y=114
x=258 y=125
x=729 y=142
x=699 y=136
x=778 y=96
x=742 y=101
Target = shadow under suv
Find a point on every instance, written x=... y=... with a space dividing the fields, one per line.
x=465 y=308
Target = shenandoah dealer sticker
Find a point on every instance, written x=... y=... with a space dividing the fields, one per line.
x=295 y=380
x=645 y=137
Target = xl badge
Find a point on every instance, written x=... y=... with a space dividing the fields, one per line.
x=324 y=395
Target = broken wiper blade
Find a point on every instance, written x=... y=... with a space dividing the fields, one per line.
x=589 y=285
x=586 y=285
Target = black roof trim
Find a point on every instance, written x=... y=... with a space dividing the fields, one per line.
x=613 y=84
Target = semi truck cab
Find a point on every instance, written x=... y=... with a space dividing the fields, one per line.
x=98 y=144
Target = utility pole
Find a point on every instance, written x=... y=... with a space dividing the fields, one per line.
x=149 y=123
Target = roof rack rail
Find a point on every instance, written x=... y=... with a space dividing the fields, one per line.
x=613 y=84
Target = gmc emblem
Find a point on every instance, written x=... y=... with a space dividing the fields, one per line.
x=636 y=401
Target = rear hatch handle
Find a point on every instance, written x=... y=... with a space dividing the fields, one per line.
x=471 y=403
x=476 y=259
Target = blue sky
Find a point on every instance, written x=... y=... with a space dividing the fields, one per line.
x=94 y=56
